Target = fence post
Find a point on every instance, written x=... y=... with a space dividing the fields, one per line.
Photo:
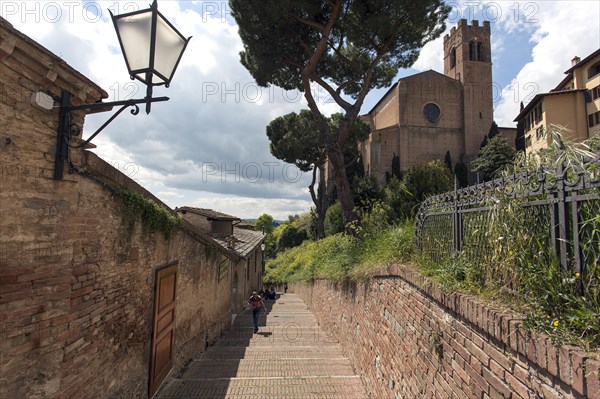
x=561 y=234
x=456 y=222
x=577 y=255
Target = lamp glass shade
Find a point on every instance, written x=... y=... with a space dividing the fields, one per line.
x=143 y=32
x=169 y=47
x=135 y=33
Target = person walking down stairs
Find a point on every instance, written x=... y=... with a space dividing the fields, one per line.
x=256 y=303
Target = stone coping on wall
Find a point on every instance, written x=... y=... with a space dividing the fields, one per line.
x=572 y=365
x=107 y=173
x=46 y=69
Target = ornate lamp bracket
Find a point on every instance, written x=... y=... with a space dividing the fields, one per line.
x=67 y=130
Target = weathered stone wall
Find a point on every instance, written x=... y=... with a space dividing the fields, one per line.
x=409 y=340
x=77 y=273
x=385 y=113
x=400 y=127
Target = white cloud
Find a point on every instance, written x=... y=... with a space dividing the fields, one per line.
x=254 y=207
x=217 y=114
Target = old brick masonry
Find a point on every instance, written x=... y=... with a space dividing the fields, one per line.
x=76 y=280
x=409 y=340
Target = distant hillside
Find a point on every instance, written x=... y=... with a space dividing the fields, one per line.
x=275 y=222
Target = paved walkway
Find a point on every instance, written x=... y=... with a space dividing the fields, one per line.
x=290 y=357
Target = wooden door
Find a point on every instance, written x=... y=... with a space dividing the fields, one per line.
x=163 y=328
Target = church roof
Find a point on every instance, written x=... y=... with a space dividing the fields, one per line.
x=407 y=78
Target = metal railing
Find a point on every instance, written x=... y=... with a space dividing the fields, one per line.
x=552 y=200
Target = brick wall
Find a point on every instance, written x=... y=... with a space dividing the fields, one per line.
x=76 y=277
x=409 y=340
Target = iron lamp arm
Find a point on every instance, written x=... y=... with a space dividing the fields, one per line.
x=124 y=105
x=65 y=128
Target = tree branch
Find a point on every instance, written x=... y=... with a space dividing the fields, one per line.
x=322 y=46
x=351 y=115
x=349 y=62
x=336 y=96
x=309 y=70
x=313 y=24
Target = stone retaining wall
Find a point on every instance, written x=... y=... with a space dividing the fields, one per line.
x=409 y=340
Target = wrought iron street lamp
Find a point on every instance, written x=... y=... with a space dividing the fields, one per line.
x=152 y=48
x=151 y=45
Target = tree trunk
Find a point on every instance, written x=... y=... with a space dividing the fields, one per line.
x=336 y=157
x=323 y=198
x=320 y=199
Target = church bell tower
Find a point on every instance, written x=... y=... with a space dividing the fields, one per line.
x=468 y=58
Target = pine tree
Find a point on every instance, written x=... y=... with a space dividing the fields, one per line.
x=493 y=157
x=396 y=166
x=448 y=160
x=520 y=138
x=494 y=131
x=345 y=47
x=484 y=142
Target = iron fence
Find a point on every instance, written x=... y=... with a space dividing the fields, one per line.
x=560 y=204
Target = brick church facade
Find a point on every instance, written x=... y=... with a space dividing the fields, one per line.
x=426 y=115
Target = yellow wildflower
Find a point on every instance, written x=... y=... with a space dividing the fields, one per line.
x=577 y=274
x=555 y=323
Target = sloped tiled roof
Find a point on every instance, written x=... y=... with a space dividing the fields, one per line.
x=583 y=61
x=246 y=241
x=245 y=225
x=209 y=213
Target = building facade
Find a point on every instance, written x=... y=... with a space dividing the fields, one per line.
x=245 y=256
x=426 y=115
x=573 y=104
x=94 y=303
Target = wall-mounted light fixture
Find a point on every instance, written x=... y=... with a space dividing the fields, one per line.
x=152 y=48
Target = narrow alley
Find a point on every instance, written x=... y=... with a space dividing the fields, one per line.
x=290 y=357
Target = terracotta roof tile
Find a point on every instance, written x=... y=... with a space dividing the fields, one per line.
x=209 y=213
x=246 y=241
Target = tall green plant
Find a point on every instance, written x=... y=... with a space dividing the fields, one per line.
x=509 y=249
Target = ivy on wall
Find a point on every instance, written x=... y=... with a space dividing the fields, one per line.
x=153 y=216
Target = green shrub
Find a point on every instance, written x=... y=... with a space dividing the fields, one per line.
x=334 y=219
x=291 y=237
x=419 y=183
x=508 y=252
x=341 y=257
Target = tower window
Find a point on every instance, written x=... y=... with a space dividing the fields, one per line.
x=480 y=52
x=472 y=51
x=594 y=70
x=453 y=57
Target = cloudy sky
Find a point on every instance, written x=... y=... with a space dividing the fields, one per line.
x=207 y=146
